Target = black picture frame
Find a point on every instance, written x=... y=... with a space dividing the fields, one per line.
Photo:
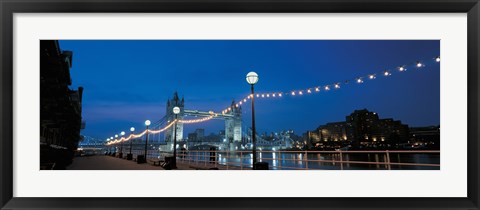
x=10 y=7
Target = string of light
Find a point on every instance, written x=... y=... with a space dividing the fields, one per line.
x=335 y=85
x=198 y=120
x=134 y=136
x=161 y=130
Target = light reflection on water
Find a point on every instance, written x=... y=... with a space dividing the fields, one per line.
x=290 y=161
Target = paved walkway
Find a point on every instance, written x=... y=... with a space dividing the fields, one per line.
x=103 y=162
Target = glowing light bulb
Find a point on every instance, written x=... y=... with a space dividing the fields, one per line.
x=359 y=80
x=263 y=95
x=258 y=95
x=300 y=92
x=273 y=95
x=386 y=73
x=419 y=64
x=244 y=100
x=317 y=89
x=293 y=93
x=279 y=95
x=437 y=59
x=401 y=68
x=337 y=86
x=327 y=87
x=309 y=91
x=372 y=76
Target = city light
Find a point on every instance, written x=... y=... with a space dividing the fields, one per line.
x=252 y=78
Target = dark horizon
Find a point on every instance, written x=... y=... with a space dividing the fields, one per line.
x=127 y=82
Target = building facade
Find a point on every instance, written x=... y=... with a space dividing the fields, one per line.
x=427 y=137
x=60 y=107
x=361 y=129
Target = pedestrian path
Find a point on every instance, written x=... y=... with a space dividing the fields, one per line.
x=104 y=162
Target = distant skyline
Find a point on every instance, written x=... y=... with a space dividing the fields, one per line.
x=127 y=82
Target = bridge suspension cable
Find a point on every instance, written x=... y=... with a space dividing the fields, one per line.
x=134 y=136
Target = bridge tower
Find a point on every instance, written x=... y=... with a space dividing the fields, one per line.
x=170 y=132
x=233 y=127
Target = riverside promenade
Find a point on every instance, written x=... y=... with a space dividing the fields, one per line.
x=104 y=162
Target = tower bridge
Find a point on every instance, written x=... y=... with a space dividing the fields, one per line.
x=233 y=122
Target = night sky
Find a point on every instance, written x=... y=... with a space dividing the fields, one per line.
x=127 y=82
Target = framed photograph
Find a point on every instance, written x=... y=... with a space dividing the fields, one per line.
x=239 y=104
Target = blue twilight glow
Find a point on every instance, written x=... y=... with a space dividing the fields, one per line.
x=127 y=82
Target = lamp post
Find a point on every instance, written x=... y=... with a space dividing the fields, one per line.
x=106 y=146
x=120 y=155
x=147 y=123
x=252 y=79
x=176 y=110
x=129 y=155
x=116 y=137
x=111 y=147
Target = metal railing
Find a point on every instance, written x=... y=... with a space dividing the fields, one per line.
x=303 y=160
x=306 y=160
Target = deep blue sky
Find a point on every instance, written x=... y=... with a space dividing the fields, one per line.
x=127 y=82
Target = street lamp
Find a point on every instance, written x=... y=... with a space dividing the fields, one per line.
x=115 y=154
x=147 y=123
x=176 y=110
x=129 y=155
x=106 y=146
x=111 y=147
x=252 y=79
x=120 y=155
